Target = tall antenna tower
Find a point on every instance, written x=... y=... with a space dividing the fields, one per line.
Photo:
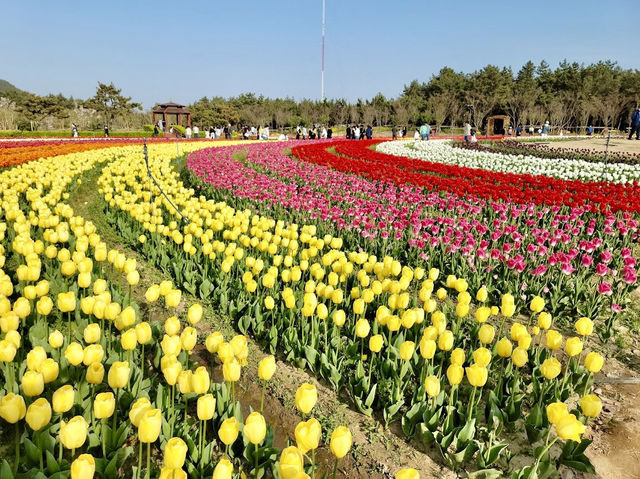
x=323 y=29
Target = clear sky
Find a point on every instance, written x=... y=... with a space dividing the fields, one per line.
x=183 y=50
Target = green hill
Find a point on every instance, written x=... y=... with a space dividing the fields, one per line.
x=5 y=86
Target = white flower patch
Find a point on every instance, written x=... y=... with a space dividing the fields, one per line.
x=441 y=151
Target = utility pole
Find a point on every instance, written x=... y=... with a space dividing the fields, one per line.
x=323 y=29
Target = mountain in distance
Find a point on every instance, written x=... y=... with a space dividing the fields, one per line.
x=6 y=87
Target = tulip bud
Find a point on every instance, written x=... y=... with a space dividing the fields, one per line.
x=228 y=431
x=32 y=383
x=173 y=297
x=92 y=354
x=73 y=434
x=213 y=341
x=573 y=346
x=591 y=405
x=172 y=326
x=519 y=357
x=544 y=320
x=38 y=414
x=184 y=381
x=95 y=373
x=570 y=428
x=49 y=369
x=432 y=385
x=84 y=467
x=486 y=333
x=291 y=462
x=223 y=470
x=231 y=370
x=504 y=348
x=339 y=317
x=255 y=428
x=375 y=343
x=171 y=371
x=127 y=318
x=12 y=408
x=138 y=408
x=118 y=376
x=553 y=339
x=175 y=453
x=67 y=302
x=406 y=350
x=308 y=435
x=458 y=356
x=407 y=473
x=550 y=368
x=188 y=338
x=7 y=351
x=482 y=357
x=477 y=375
x=455 y=374
x=143 y=333
x=103 y=405
x=35 y=357
x=206 y=407
x=266 y=368
x=74 y=353
x=44 y=305
x=445 y=340
x=584 y=326
x=593 y=362
x=194 y=314
x=63 y=399
x=306 y=398
x=149 y=425
x=341 y=442
x=129 y=339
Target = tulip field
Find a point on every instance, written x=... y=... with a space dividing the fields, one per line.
x=465 y=299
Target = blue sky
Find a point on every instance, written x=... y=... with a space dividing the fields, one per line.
x=160 y=50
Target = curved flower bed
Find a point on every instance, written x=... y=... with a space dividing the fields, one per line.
x=530 y=148
x=477 y=157
x=358 y=157
x=496 y=244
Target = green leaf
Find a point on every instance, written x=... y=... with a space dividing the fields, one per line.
x=467 y=433
x=52 y=464
x=485 y=474
x=33 y=452
x=5 y=470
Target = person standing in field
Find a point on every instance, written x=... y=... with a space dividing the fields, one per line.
x=519 y=130
x=635 y=124
x=196 y=130
x=74 y=130
x=394 y=133
x=425 y=131
x=369 y=132
x=467 y=132
x=416 y=135
x=106 y=131
x=546 y=129
x=329 y=132
x=188 y=132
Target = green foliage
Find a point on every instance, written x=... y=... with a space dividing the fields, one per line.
x=67 y=133
x=110 y=102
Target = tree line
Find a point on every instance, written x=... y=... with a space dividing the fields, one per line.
x=570 y=96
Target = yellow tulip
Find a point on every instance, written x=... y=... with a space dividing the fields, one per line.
x=223 y=470
x=570 y=428
x=50 y=370
x=73 y=434
x=143 y=333
x=341 y=442
x=173 y=297
x=9 y=321
x=306 y=398
x=591 y=405
x=556 y=411
x=486 y=333
x=118 y=376
x=593 y=362
x=432 y=385
x=35 y=357
x=455 y=374
x=84 y=467
x=103 y=405
x=44 y=306
x=7 y=351
x=95 y=373
x=584 y=326
x=504 y=348
x=213 y=341
x=138 y=408
x=206 y=407
x=267 y=368
x=63 y=398
x=550 y=368
x=22 y=307
x=12 y=408
x=406 y=350
x=375 y=343
x=544 y=320
x=74 y=353
x=477 y=375
x=127 y=318
x=482 y=357
x=231 y=370
x=553 y=339
x=537 y=304
x=482 y=294
x=92 y=354
x=573 y=346
x=67 y=301
x=175 y=453
x=149 y=425
x=194 y=314
x=519 y=357
x=133 y=278
x=32 y=383
x=228 y=431
x=427 y=347
x=91 y=333
x=38 y=414
x=407 y=473
x=188 y=338
x=339 y=317
x=362 y=328
x=308 y=435
x=291 y=462
x=255 y=428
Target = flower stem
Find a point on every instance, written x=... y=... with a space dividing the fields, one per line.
x=264 y=386
x=18 y=448
x=139 y=459
x=104 y=435
x=148 y=460
x=335 y=468
x=255 y=470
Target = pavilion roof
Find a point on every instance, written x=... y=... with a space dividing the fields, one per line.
x=170 y=107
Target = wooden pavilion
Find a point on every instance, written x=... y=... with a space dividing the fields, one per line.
x=167 y=110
